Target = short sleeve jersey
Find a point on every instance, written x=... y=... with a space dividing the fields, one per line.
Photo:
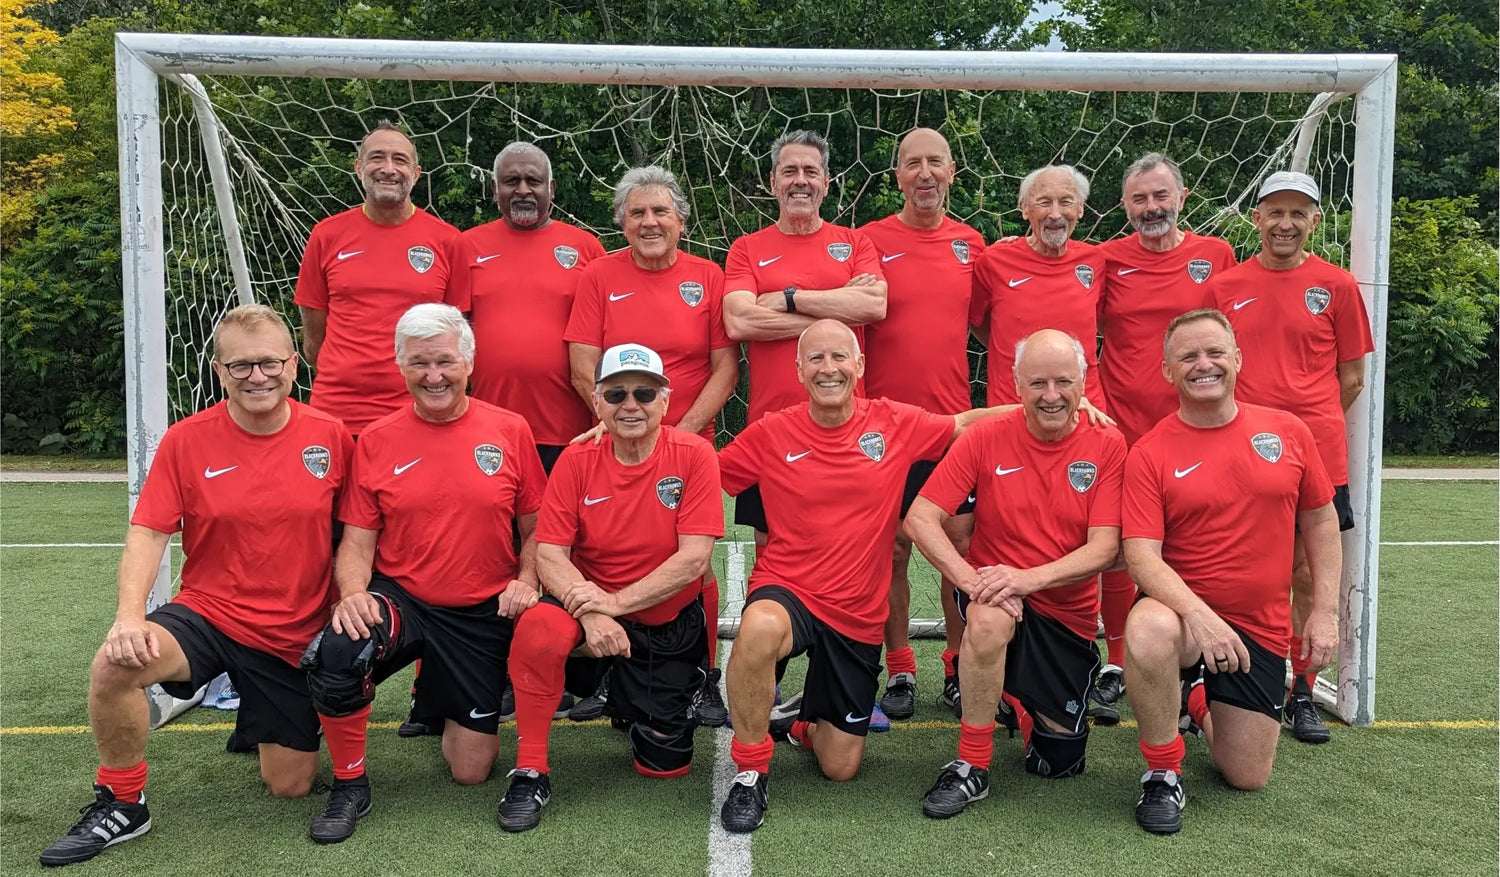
x=443 y=496
x=1146 y=289
x=365 y=276
x=518 y=287
x=833 y=496
x=677 y=311
x=1223 y=502
x=622 y=522
x=919 y=354
x=770 y=260
x=1294 y=328
x=1020 y=291
x=1035 y=502
x=256 y=514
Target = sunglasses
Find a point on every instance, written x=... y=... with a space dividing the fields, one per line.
x=643 y=395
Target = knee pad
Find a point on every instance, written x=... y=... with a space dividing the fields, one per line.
x=339 y=669
x=1053 y=755
x=661 y=756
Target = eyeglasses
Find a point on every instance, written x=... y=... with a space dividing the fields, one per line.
x=268 y=367
x=643 y=395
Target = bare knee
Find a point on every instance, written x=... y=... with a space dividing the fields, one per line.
x=470 y=774
x=1246 y=778
x=108 y=677
x=839 y=767
x=762 y=631
x=288 y=786
x=988 y=633
x=1152 y=631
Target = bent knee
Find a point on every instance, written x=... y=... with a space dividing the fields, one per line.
x=470 y=773
x=989 y=628
x=105 y=675
x=1152 y=626
x=1246 y=779
x=840 y=770
x=288 y=785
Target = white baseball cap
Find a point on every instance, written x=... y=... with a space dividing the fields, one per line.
x=630 y=359
x=1288 y=181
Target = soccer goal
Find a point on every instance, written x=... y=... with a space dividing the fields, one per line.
x=231 y=148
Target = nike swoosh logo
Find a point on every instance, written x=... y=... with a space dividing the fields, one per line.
x=614 y=297
x=1001 y=470
x=1015 y=283
x=215 y=473
x=480 y=260
x=764 y=262
x=589 y=501
x=892 y=256
x=343 y=255
x=973 y=497
x=852 y=719
x=1123 y=271
x=400 y=469
x=476 y=714
x=356 y=764
x=1181 y=472
x=792 y=458
x=1240 y=304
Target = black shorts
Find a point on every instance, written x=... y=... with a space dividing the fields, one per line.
x=843 y=675
x=1261 y=690
x=749 y=510
x=1342 y=507
x=275 y=704
x=463 y=651
x=917 y=476
x=549 y=455
x=1048 y=668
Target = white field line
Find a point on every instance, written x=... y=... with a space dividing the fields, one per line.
x=728 y=854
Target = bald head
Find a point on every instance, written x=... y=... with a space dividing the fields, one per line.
x=826 y=335
x=924 y=171
x=1050 y=369
x=1050 y=350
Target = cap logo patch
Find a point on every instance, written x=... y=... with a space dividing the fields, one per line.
x=635 y=356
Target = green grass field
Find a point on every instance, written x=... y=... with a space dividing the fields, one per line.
x=1416 y=794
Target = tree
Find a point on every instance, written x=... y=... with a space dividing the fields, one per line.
x=30 y=120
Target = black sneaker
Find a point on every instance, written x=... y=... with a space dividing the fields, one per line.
x=952 y=698
x=958 y=784
x=1006 y=718
x=1104 y=705
x=1159 y=810
x=415 y=727
x=1192 y=678
x=507 y=703
x=1300 y=716
x=783 y=715
x=234 y=746
x=521 y=808
x=592 y=707
x=105 y=822
x=348 y=802
x=564 y=706
x=709 y=703
x=745 y=807
x=900 y=700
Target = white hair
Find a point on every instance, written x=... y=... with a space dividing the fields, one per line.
x=522 y=147
x=1078 y=355
x=1150 y=162
x=434 y=320
x=1080 y=182
x=649 y=177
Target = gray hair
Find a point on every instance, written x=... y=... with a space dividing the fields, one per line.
x=387 y=125
x=1078 y=356
x=1080 y=182
x=799 y=138
x=434 y=320
x=649 y=177
x=1150 y=162
x=522 y=147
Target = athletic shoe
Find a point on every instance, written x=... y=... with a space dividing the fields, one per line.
x=1300 y=716
x=1185 y=724
x=592 y=707
x=1006 y=718
x=745 y=807
x=564 y=706
x=708 y=703
x=233 y=745
x=952 y=698
x=879 y=721
x=900 y=701
x=348 y=802
x=782 y=717
x=958 y=784
x=729 y=720
x=521 y=808
x=1104 y=705
x=1159 y=810
x=106 y=822
x=415 y=727
x=508 y=703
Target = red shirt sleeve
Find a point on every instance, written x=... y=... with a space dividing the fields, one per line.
x=358 y=507
x=1105 y=511
x=557 y=522
x=929 y=433
x=701 y=511
x=160 y=505
x=956 y=475
x=533 y=476
x=460 y=292
x=1141 y=508
x=738 y=273
x=586 y=322
x=312 y=285
x=1315 y=489
x=718 y=337
x=979 y=293
x=739 y=462
x=1351 y=323
x=866 y=258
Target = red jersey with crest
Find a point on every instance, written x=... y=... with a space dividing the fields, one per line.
x=832 y=497
x=919 y=354
x=443 y=496
x=1146 y=289
x=365 y=276
x=677 y=311
x=1294 y=328
x=770 y=260
x=518 y=287
x=622 y=522
x=1223 y=502
x=256 y=515
x=1035 y=502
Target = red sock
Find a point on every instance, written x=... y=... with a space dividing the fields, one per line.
x=1198 y=704
x=346 y=743
x=538 y=653
x=1118 y=595
x=950 y=662
x=976 y=745
x=1168 y=756
x=711 y=611
x=799 y=732
x=900 y=661
x=126 y=783
x=1299 y=665
x=752 y=756
x=1023 y=718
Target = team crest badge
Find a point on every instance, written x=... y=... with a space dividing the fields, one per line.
x=873 y=444
x=489 y=458
x=420 y=259
x=316 y=458
x=961 y=251
x=1085 y=275
x=1317 y=299
x=1268 y=445
x=691 y=292
x=669 y=491
x=840 y=251
x=565 y=256
x=1199 y=269
x=1082 y=475
x=1072 y=707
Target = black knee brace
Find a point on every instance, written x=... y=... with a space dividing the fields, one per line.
x=339 y=669
x=1053 y=755
x=660 y=754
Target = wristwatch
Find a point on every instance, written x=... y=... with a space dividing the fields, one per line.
x=791 y=299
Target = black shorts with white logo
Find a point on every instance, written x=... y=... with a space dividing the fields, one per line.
x=749 y=510
x=917 y=476
x=463 y=651
x=843 y=675
x=275 y=704
x=1260 y=690
x=1048 y=668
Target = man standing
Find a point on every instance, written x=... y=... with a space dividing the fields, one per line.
x=1304 y=324
x=1212 y=498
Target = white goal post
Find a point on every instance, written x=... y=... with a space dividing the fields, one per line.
x=143 y=60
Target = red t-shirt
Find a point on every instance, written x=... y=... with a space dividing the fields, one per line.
x=1224 y=502
x=1020 y=292
x=919 y=354
x=1293 y=329
x=678 y=312
x=832 y=497
x=256 y=515
x=365 y=276
x=1145 y=291
x=1035 y=502
x=622 y=522
x=770 y=260
x=443 y=496
x=517 y=287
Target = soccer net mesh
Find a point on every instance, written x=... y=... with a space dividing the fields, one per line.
x=288 y=145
